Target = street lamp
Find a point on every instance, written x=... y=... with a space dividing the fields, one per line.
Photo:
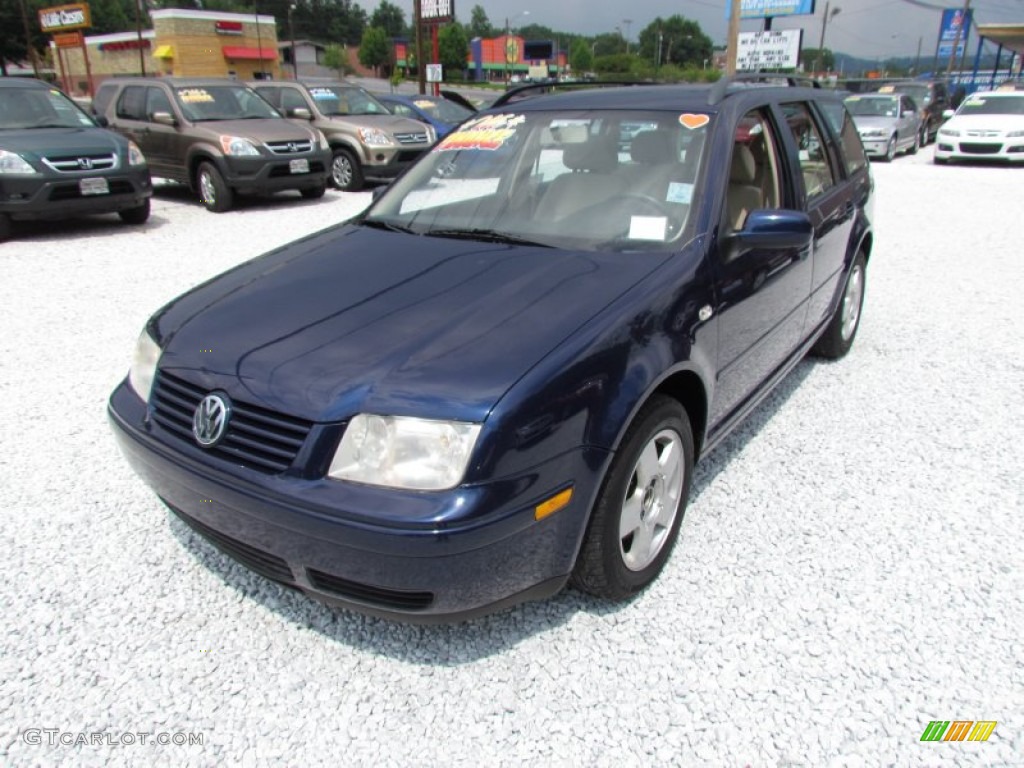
x=821 y=46
x=510 y=50
x=291 y=34
x=626 y=23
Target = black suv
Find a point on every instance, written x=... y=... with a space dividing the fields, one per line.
x=932 y=99
x=56 y=162
x=216 y=135
x=498 y=379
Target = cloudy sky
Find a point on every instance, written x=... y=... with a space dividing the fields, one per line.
x=864 y=28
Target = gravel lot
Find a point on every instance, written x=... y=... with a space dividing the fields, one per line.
x=850 y=567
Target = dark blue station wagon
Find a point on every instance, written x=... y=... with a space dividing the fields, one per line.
x=497 y=380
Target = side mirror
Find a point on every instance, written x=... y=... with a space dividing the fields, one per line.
x=770 y=229
x=101 y=120
x=947 y=113
x=300 y=113
x=164 y=118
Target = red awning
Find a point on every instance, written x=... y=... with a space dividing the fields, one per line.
x=240 y=52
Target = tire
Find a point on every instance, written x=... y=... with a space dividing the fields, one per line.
x=939 y=160
x=842 y=328
x=346 y=174
x=636 y=518
x=890 y=150
x=214 y=192
x=137 y=215
x=5 y=227
x=313 y=193
x=916 y=145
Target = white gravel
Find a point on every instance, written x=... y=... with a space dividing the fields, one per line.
x=850 y=567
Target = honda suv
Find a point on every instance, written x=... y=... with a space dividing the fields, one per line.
x=496 y=381
x=218 y=136
x=56 y=162
x=368 y=143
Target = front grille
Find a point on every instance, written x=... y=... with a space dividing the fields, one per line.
x=81 y=163
x=290 y=147
x=388 y=598
x=73 y=192
x=980 y=134
x=256 y=438
x=411 y=138
x=263 y=563
x=980 y=149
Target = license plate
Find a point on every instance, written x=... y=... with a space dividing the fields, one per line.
x=93 y=187
x=298 y=166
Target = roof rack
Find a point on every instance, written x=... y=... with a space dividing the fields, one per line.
x=534 y=89
x=720 y=88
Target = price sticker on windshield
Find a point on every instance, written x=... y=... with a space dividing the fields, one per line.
x=488 y=133
x=195 y=96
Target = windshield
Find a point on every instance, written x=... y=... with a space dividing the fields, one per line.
x=987 y=104
x=222 y=102
x=873 y=106
x=440 y=109
x=584 y=180
x=39 y=108
x=346 y=101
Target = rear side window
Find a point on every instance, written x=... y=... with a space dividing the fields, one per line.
x=814 y=163
x=132 y=104
x=853 y=151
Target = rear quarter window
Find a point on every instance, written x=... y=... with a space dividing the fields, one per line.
x=853 y=151
x=102 y=99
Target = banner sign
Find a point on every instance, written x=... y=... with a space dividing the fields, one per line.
x=952 y=21
x=65 y=17
x=68 y=39
x=761 y=9
x=437 y=10
x=777 y=49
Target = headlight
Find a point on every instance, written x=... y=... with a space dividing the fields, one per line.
x=1014 y=134
x=948 y=132
x=403 y=452
x=143 y=369
x=374 y=137
x=135 y=156
x=431 y=134
x=237 y=146
x=11 y=162
x=322 y=140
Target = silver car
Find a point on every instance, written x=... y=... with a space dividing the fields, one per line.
x=887 y=123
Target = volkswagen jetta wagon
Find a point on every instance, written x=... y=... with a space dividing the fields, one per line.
x=496 y=381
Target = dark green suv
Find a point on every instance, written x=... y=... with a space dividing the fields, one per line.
x=56 y=162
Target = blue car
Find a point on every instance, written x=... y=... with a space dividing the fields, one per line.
x=497 y=380
x=443 y=114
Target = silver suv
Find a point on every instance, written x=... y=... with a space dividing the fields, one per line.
x=368 y=143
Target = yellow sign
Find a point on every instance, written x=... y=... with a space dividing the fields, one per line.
x=64 y=17
x=511 y=50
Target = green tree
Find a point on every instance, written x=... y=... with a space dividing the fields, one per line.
x=375 y=48
x=680 y=41
x=479 y=25
x=390 y=18
x=453 y=49
x=580 y=58
x=608 y=44
x=817 y=59
x=336 y=57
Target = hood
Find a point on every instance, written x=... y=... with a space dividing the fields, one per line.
x=63 y=141
x=864 y=122
x=261 y=129
x=389 y=123
x=986 y=123
x=355 y=320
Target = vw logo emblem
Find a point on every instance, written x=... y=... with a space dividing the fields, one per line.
x=210 y=420
x=85 y=163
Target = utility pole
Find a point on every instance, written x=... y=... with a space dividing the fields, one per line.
x=28 y=41
x=821 y=45
x=734 y=39
x=138 y=31
x=421 y=71
x=959 y=33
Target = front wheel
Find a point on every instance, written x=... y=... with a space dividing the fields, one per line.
x=842 y=328
x=890 y=150
x=137 y=215
x=346 y=174
x=214 y=192
x=636 y=518
x=313 y=193
x=5 y=227
x=916 y=145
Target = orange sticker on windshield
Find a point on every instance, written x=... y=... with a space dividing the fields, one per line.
x=489 y=133
x=692 y=121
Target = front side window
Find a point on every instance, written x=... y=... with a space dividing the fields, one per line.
x=132 y=104
x=849 y=137
x=157 y=101
x=561 y=180
x=814 y=163
x=754 y=169
x=222 y=102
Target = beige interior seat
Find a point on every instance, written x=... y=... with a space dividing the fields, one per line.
x=744 y=194
x=589 y=181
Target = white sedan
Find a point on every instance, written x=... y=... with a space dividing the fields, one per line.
x=987 y=126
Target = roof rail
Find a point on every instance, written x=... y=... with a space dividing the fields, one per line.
x=535 y=89
x=721 y=87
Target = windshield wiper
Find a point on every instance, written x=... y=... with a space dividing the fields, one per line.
x=485 y=235
x=387 y=225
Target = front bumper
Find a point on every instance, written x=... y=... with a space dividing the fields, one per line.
x=265 y=175
x=60 y=197
x=966 y=148
x=323 y=537
x=875 y=146
x=382 y=164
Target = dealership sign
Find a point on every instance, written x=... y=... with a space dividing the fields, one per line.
x=954 y=24
x=768 y=50
x=437 y=10
x=762 y=9
x=64 y=17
